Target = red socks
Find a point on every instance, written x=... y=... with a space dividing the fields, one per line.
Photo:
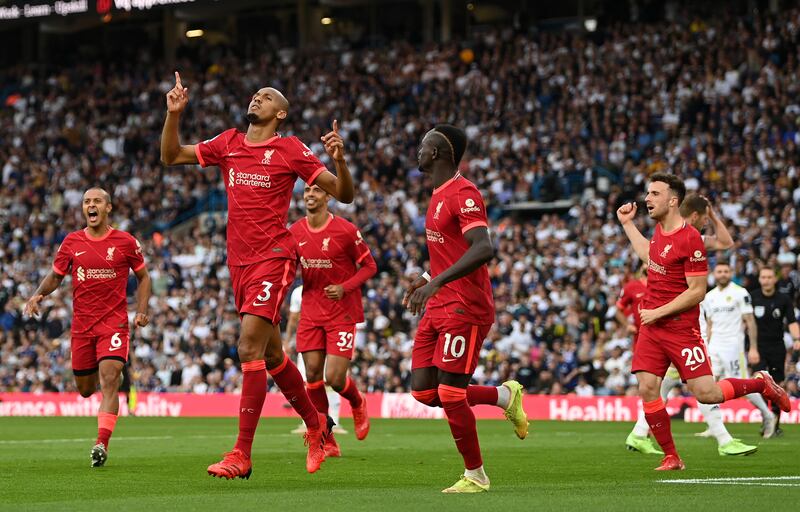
x=657 y=417
x=317 y=394
x=350 y=392
x=429 y=397
x=291 y=384
x=254 y=391
x=734 y=388
x=462 y=424
x=105 y=426
x=482 y=395
x=476 y=395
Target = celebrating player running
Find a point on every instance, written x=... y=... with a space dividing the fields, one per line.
x=331 y=251
x=259 y=169
x=98 y=257
x=676 y=284
x=460 y=307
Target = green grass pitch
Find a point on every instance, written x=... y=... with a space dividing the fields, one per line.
x=160 y=464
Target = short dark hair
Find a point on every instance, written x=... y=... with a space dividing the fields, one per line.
x=457 y=139
x=101 y=189
x=722 y=262
x=674 y=183
x=767 y=267
x=693 y=203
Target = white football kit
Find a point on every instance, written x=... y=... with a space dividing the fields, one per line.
x=725 y=308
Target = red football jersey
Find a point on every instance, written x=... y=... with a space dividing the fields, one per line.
x=99 y=268
x=329 y=255
x=674 y=257
x=455 y=208
x=259 y=179
x=631 y=298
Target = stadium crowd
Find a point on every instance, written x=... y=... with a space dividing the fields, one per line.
x=549 y=116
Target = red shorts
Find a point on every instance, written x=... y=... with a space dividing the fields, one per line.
x=334 y=340
x=259 y=288
x=450 y=345
x=681 y=345
x=89 y=349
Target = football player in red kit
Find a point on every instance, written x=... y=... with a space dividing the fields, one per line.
x=670 y=331
x=98 y=258
x=259 y=168
x=458 y=304
x=335 y=262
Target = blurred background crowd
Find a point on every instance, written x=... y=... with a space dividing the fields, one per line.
x=563 y=127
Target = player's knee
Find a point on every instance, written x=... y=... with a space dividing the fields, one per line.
x=336 y=381
x=110 y=382
x=313 y=374
x=707 y=395
x=649 y=391
x=274 y=359
x=249 y=351
x=86 y=391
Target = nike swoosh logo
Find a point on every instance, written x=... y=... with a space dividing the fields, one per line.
x=445 y=360
x=112 y=349
x=693 y=368
x=258 y=304
x=79 y=253
x=301 y=244
x=343 y=349
x=233 y=154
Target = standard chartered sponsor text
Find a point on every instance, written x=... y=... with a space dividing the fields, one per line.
x=101 y=273
x=253 y=180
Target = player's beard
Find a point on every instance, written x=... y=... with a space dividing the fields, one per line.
x=252 y=118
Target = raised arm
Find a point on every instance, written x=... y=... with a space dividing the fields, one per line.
x=626 y=213
x=172 y=153
x=339 y=185
x=721 y=239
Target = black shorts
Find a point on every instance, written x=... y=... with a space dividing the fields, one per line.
x=775 y=363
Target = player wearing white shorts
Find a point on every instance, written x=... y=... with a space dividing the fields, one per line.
x=727 y=310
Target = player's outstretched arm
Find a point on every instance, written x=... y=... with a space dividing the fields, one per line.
x=172 y=153
x=480 y=252
x=626 y=213
x=142 y=297
x=721 y=239
x=49 y=284
x=339 y=185
x=691 y=297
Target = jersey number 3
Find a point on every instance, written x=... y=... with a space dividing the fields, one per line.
x=265 y=295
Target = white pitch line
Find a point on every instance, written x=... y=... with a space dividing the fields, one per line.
x=729 y=479
x=82 y=440
x=116 y=439
x=761 y=484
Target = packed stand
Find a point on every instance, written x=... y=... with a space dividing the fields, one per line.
x=550 y=116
